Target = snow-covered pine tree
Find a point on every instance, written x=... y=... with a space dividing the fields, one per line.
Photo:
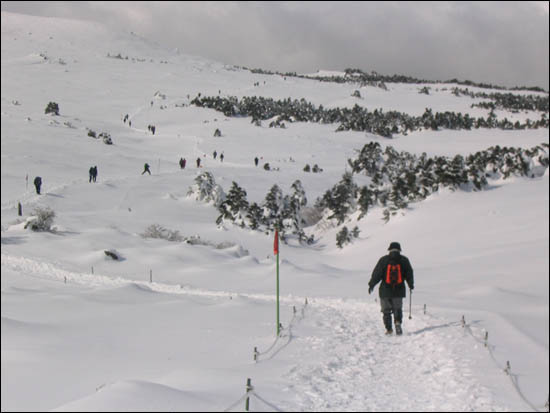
x=254 y=216
x=365 y=201
x=291 y=213
x=272 y=208
x=205 y=189
x=235 y=206
x=341 y=199
x=343 y=237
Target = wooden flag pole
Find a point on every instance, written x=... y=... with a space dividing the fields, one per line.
x=276 y=251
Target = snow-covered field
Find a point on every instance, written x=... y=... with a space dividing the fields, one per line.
x=83 y=332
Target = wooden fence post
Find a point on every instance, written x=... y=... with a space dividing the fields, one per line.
x=248 y=388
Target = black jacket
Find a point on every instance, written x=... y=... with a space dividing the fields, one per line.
x=379 y=274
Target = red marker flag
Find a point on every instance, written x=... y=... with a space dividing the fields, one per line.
x=276 y=243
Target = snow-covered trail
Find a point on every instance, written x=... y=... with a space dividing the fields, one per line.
x=338 y=358
x=432 y=367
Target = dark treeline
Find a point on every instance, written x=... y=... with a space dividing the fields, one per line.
x=398 y=178
x=506 y=101
x=356 y=118
x=364 y=78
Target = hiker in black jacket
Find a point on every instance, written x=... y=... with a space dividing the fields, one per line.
x=37 y=184
x=392 y=270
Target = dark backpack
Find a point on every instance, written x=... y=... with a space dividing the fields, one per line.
x=393 y=274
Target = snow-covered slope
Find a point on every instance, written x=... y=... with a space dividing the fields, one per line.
x=83 y=332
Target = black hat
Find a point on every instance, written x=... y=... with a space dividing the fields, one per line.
x=394 y=246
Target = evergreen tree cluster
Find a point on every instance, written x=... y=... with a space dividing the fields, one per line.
x=356 y=118
x=506 y=101
x=398 y=178
x=277 y=211
x=374 y=78
x=345 y=236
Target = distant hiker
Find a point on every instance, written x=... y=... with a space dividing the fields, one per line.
x=221 y=157
x=153 y=129
x=94 y=176
x=198 y=162
x=91 y=172
x=392 y=270
x=130 y=123
x=215 y=154
x=256 y=160
x=182 y=163
x=146 y=169
x=37 y=184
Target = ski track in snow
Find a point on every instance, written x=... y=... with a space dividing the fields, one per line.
x=361 y=368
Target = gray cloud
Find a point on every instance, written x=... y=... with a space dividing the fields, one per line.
x=497 y=42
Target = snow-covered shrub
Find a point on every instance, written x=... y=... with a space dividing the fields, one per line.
x=106 y=138
x=114 y=254
x=52 y=107
x=158 y=231
x=41 y=220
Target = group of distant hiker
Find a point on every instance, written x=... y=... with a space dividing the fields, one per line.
x=93 y=173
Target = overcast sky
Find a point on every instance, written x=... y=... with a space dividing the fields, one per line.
x=503 y=43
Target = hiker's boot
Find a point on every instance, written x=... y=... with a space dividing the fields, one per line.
x=389 y=332
x=398 y=329
x=388 y=323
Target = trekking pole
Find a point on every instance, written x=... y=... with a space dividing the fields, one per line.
x=410 y=303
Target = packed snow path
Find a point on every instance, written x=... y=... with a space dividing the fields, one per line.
x=339 y=359
x=426 y=369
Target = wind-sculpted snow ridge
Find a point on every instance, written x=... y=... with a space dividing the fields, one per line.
x=49 y=271
x=144 y=396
